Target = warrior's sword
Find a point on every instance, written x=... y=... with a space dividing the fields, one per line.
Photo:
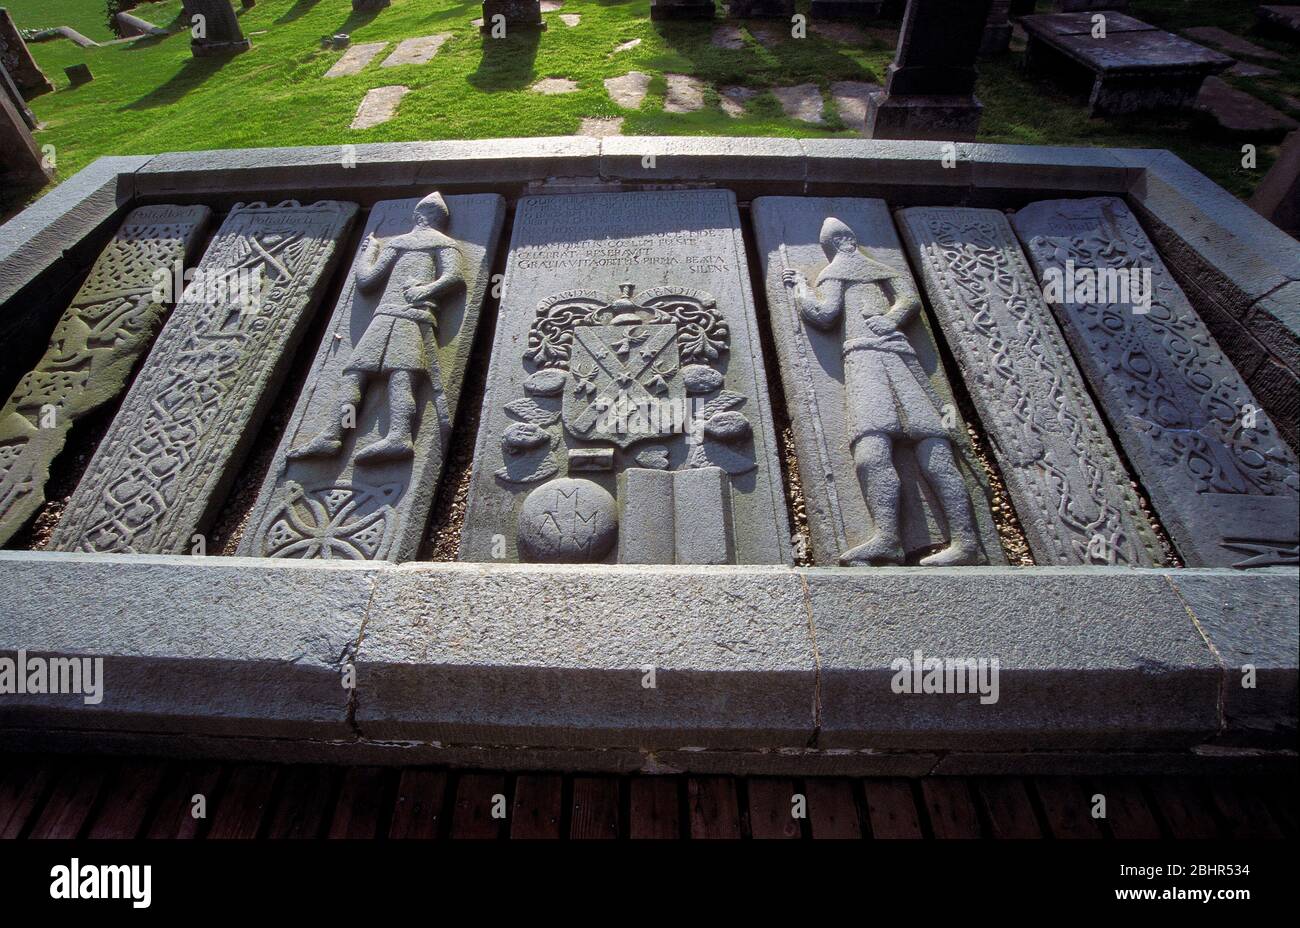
x=800 y=354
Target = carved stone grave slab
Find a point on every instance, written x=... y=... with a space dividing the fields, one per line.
x=626 y=360
x=1071 y=492
x=1223 y=482
x=96 y=344
x=178 y=441
x=357 y=470
x=887 y=469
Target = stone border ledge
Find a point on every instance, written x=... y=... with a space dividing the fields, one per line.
x=762 y=668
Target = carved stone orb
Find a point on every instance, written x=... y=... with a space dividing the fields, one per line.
x=567 y=521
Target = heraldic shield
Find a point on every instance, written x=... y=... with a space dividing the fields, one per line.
x=623 y=359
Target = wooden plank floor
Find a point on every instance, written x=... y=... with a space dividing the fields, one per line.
x=70 y=797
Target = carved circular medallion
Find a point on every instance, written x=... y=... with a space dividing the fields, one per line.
x=567 y=521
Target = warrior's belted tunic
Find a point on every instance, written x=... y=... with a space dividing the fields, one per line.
x=882 y=383
x=396 y=338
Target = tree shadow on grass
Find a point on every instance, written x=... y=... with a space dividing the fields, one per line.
x=507 y=63
x=356 y=19
x=193 y=73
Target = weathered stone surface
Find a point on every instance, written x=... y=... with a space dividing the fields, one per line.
x=355 y=58
x=610 y=304
x=17 y=60
x=727 y=35
x=559 y=657
x=419 y=50
x=78 y=74
x=514 y=14
x=628 y=90
x=222 y=35
x=886 y=467
x=261 y=650
x=850 y=99
x=600 y=127
x=1253 y=624
x=130 y=26
x=1237 y=111
x=181 y=433
x=378 y=106
x=997 y=29
x=684 y=93
x=1222 y=481
x=1231 y=43
x=733 y=100
x=1087 y=659
x=95 y=347
x=10 y=89
x=1135 y=66
x=1078 y=6
x=1277 y=198
x=551 y=86
x=851 y=10
x=21 y=162
x=1070 y=491
x=570 y=19
x=626 y=46
x=802 y=102
x=929 y=91
x=1279 y=19
x=358 y=467
x=681 y=9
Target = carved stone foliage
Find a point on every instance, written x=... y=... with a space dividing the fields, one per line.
x=626 y=342
x=96 y=344
x=1222 y=481
x=887 y=471
x=1071 y=492
x=181 y=434
x=357 y=470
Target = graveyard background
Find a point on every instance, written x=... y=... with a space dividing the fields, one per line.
x=152 y=96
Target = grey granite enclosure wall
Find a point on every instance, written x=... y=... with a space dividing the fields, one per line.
x=757 y=668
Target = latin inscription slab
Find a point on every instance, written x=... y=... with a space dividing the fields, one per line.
x=97 y=343
x=358 y=468
x=1070 y=490
x=1222 y=480
x=178 y=440
x=626 y=342
x=887 y=470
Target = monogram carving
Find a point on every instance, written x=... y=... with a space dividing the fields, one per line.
x=95 y=345
x=182 y=430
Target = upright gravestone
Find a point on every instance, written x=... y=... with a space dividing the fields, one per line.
x=95 y=346
x=930 y=88
x=626 y=416
x=887 y=470
x=18 y=61
x=510 y=15
x=847 y=10
x=997 y=29
x=1223 y=482
x=214 y=28
x=21 y=161
x=10 y=89
x=176 y=445
x=761 y=9
x=1071 y=492
x=681 y=9
x=358 y=467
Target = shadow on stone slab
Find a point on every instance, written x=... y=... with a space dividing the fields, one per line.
x=507 y=63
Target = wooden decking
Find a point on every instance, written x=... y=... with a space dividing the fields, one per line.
x=79 y=797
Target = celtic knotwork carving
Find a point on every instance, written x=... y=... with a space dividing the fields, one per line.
x=354 y=521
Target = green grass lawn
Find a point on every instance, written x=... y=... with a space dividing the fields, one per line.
x=153 y=96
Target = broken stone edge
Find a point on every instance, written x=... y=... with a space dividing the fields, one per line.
x=1099 y=668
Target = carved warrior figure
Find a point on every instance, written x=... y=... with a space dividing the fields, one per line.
x=888 y=399
x=397 y=342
